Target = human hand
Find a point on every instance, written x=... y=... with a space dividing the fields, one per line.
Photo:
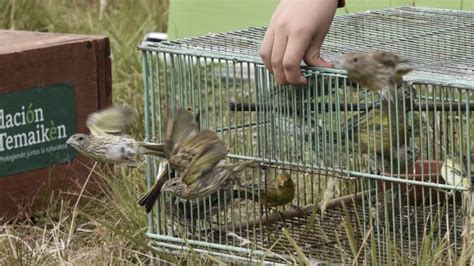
x=296 y=32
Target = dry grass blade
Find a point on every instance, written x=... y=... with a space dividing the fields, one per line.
x=74 y=212
x=363 y=245
x=302 y=258
x=351 y=236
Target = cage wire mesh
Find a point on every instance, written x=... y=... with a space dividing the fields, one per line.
x=367 y=169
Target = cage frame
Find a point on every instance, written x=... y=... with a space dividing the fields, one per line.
x=246 y=254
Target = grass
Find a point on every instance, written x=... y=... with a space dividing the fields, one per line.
x=106 y=226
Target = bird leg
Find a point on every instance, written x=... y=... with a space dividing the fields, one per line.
x=282 y=218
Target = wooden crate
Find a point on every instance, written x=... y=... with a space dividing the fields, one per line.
x=49 y=83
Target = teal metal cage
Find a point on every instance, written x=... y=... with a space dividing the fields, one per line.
x=368 y=172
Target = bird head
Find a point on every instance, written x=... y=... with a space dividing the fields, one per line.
x=78 y=141
x=456 y=161
x=174 y=186
x=284 y=179
x=352 y=62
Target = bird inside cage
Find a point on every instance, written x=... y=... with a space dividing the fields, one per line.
x=271 y=194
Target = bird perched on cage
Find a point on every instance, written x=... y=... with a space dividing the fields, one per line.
x=454 y=173
x=107 y=141
x=376 y=70
x=279 y=192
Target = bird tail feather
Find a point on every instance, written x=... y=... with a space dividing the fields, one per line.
x=154 y=149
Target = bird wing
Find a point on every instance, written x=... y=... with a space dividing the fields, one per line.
x=388 y=59
x=209 y=150
x=180 y=126
x=110 y=121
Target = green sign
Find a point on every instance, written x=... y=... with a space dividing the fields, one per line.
x=34 y=127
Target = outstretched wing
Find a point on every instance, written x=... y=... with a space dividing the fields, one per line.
x=113 y=121
x=179 y=128
x=208 y=150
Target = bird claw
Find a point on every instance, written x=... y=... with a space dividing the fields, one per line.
x=279 y=214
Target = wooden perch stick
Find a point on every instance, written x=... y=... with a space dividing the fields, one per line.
x=294 y=212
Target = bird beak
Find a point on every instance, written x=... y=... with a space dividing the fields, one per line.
x=69 y=141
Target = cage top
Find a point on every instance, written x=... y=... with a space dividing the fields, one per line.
x=439 y=42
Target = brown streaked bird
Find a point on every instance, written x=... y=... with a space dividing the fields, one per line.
x=107 y=141
x=179 y=128
x=196 y=184
x=279 y=192
x=376 y=70
x=151 y=196
x=198 y=158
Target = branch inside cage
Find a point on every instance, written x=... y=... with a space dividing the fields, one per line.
x=253 y=107
x=294 y=212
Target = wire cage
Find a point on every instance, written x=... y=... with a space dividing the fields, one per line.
x=369 y=185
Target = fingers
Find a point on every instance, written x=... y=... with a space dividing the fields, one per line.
x=282 y=56
x=266 y=48
x=312 y=56
x=295 y=51
x=278 y=52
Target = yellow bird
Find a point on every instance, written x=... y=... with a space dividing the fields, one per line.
x=279 y=192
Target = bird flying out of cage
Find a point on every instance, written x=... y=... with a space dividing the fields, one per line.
x=107 y=141
x=376 y=70
x=198 y=158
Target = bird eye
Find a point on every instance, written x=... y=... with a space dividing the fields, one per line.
x=355 y=60
x=80 y=138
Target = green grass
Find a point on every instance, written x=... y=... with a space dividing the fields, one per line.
x=107 y=226
x=225 y=15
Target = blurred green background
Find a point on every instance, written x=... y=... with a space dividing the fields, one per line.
x=197 y=17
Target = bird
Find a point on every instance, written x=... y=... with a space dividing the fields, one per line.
x=107 y=141
x=380 y=130
x=178 y=130
x=150 y=197
x=195 y=184
x=279 y=192
x=454 y=173
x=375 y=70
x=198 y=158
